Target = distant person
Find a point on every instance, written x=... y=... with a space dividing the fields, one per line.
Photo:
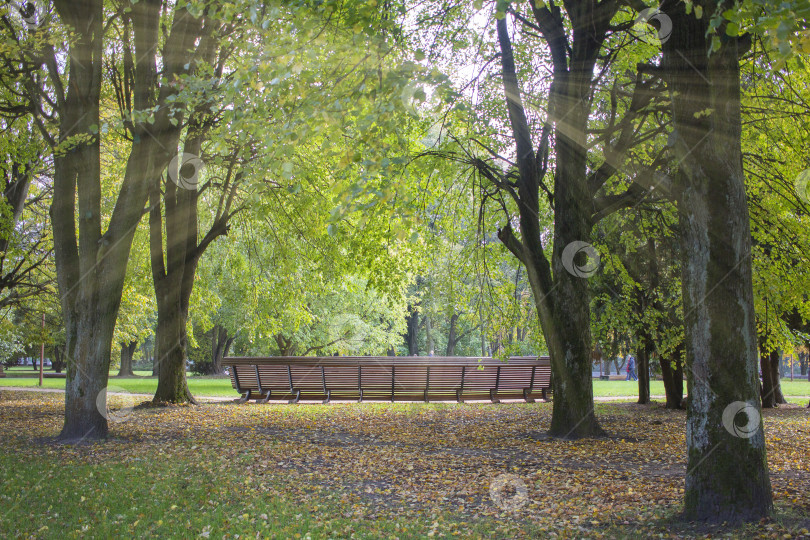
x=631 y=368
x=431 y=352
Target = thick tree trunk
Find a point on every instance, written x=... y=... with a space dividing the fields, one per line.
x=127 y=352
x=89 y=342
x=727 y=473
x=569 y=339
x=88 y=295
x=170 y=350
x=561 y=298
x=173 y=278
x=172 y=291
x=91 y=266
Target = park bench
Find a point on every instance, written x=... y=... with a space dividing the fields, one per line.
x=389 y=378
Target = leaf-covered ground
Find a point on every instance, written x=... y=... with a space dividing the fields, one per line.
x=368 y=470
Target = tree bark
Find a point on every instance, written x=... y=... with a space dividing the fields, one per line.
x=91 y=266
x=672 y=373
x=412 y=332
x=173 y=271
x=221 y=345
x=170 y=349
x=127 y=352
x=771 y=391
x=562 y=302
x=643 y=368
x=727 y=474
x=428 y=334
x=58 y=363
x=451 y=336
x=88 y=296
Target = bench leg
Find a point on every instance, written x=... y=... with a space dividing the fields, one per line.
x=526 y=396
x=265 y=398
x=245 y=398
x=459 y=399
x=492 y=397
x=545 y=395
x=361 y=397
x=328 y=396
x=297 y=397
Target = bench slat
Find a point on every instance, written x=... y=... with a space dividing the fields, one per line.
x=389 y=378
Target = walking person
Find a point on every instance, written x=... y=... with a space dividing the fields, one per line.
x=631 y=368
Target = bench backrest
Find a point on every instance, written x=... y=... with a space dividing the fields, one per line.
x=391 y=377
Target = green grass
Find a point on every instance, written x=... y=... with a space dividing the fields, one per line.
x=199 y=386
x=630 y=388
x=375 y=470
x=193 y=495
x=221 y=386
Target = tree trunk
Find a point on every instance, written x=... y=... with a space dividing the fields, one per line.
x=170 y=351
x=412 y=333
x=451 y=336
x=88 y=295
x=771 y=391
x=643 y=368
x=672 y=373
x=727 y=472
x=221 y=345
x=91 y=266
x=173 y=272
x=127 y=352
x=58 y=363
x=428 y=335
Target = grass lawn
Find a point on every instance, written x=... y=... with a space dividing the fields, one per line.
x=371 y=470
x=221 y=386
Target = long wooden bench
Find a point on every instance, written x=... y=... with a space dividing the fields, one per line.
x=389 y=378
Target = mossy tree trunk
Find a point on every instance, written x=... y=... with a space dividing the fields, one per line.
x=727 y=473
